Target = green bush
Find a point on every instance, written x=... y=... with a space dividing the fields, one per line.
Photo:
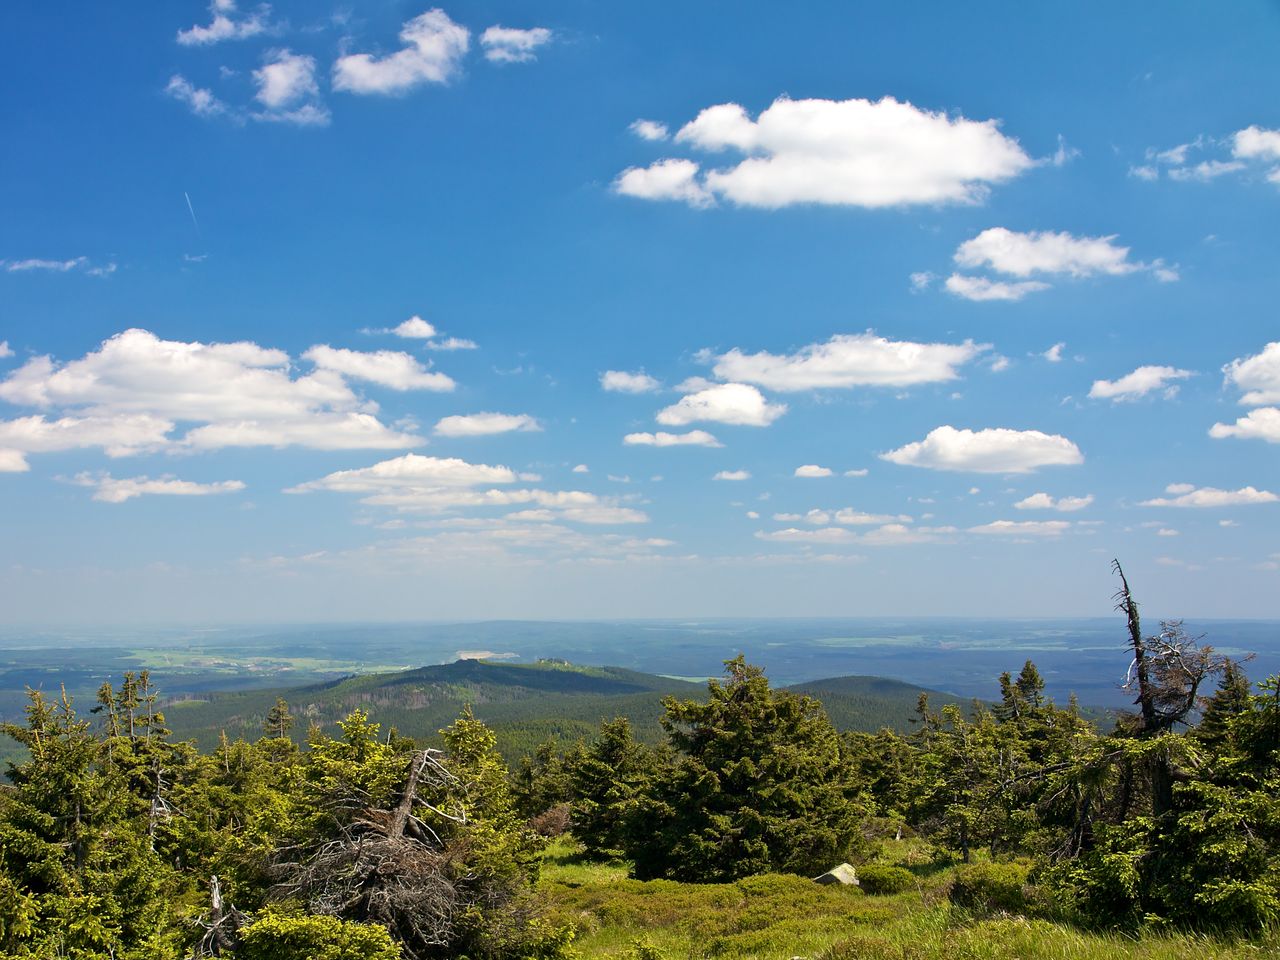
x=987 y=888
x=878 y=878
x=276 y=937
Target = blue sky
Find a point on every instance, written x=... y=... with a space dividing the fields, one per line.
x=823 y=309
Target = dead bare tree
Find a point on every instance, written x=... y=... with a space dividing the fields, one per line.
x=385 y=865
x=1166 y=675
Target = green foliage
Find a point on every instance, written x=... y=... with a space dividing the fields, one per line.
x=877 y=878
x=754 y=785
x=278 y=937
x=987 y=888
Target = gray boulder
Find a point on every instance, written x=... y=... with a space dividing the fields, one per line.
x=844 y=874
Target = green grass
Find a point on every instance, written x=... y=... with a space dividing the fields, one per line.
x=776 y=917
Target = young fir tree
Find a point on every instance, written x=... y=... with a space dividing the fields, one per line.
x=756 y=785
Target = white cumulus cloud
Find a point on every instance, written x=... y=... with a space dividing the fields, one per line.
x=5 y=349
x=1139 y=383
x=235 y=394
x=850 y=360
x=415 y=328
x=855 y=152
x=997 y=450
x=1260 y=424
x=288 y=91
x=1046 y=252
x=812 y=471
x=433 y=52
x=388 y=368
x=485 y=424
x=734 y=403
x=1258 y=375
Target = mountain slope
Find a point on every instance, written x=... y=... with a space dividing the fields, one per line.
x=524 y=703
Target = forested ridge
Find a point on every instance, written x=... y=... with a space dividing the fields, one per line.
x=987 y=827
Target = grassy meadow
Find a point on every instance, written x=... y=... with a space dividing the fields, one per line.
x=780 y=917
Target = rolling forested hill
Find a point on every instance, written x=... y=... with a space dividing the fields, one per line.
x=525 y=704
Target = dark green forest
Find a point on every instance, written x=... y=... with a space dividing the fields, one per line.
x=120 y=840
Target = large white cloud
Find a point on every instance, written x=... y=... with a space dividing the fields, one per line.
x=1139 y=383
x=433 y=52
x=850 y=360
x=388 y=368
x=1186 y=495
x=997 y=450
x=1258 y=375
x=1260 y=424
x=855 y=152
x=485 y=424
x=511 y=45
x=109 y=489
x=236 y=394
x=691 y=438
x=733 y=403
x=116 y=435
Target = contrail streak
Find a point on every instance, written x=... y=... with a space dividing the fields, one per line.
x=193 y=211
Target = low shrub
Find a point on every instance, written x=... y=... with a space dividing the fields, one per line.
x=277 y=937
x=878 y=878
x=987 y=888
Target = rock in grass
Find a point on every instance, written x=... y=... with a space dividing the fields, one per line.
x=844 y=874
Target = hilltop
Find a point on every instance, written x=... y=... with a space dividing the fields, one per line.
x=524 y=703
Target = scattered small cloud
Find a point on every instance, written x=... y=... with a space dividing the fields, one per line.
x=693 y=438
x=225 y=24
x=982 y=289
x=1186 y=495
x=485 y=424
x=1043 y=501
x=732 y=475
x=733 y=403
x=581 y=468
x=812 y=471
x=1141 y=382
x=511 y=45
x=619 y=381
x=649 y=130
x=108 y=489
